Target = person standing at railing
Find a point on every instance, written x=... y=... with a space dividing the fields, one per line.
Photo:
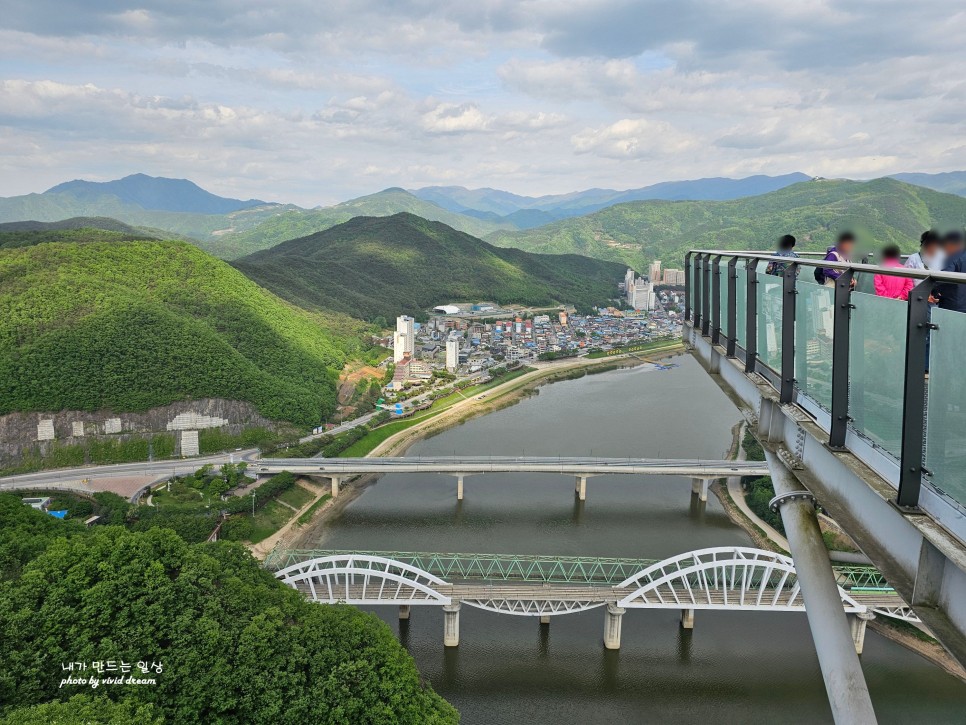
x=887 y=285
x=786 y=248
x=841 y=252
x=930 y=254
x=950 y=295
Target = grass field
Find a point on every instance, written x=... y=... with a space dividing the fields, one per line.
x=307 y=516
x=296 y=497
x=642 y=347
x=269 y=519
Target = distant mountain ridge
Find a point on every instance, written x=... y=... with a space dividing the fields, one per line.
x=880 y=211
x=154 y=193
x=531 y=211
x=385 y=266
x=950 y=182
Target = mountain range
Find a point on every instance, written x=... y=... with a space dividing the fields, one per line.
x=385 y=266
x=880 y=211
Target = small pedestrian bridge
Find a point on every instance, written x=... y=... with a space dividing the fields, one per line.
x=722 y=578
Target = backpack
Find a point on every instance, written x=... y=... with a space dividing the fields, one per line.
x=820 y=275
x=831 y=255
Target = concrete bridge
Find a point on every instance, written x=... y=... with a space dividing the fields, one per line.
x=723 y=578
x=700 y=472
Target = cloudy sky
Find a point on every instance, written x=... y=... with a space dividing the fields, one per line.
x=315 y=101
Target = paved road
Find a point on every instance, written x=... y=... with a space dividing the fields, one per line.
x=72 y=478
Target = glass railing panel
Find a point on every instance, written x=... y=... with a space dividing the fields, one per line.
x=877 y=369
x=741 y=305
x=814 y=305
x=946 y=407
x=723 y=296
x=770 y=293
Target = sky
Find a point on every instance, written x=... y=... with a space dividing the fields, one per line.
x=318 y=101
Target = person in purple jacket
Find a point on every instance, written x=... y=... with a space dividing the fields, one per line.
x=841 y=252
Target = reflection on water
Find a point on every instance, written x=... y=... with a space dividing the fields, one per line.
x=733 y=667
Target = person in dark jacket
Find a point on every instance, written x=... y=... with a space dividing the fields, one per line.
x=786 y=248
x=952 y=296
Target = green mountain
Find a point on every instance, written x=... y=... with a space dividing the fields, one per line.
x=133 y=325
x=880 y=211
x=385 y=266
x=294 y=223
x=76 y=229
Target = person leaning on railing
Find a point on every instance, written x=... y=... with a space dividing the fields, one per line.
x=786 y=248
x=841 y=252
x=949 y=295
x=887 y=285
x=930 y=255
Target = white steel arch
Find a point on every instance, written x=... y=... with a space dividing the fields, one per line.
x=364 y=579
x=724 y=577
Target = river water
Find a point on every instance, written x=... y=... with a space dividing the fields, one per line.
x=734 y=667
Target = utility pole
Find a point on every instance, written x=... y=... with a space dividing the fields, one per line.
x=253 y=504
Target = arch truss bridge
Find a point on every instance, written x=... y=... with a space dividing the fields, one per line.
x=722 y=578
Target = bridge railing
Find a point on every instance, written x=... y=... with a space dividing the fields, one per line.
x=857 y=362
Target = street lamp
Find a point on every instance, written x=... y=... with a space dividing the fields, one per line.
x=253 y=504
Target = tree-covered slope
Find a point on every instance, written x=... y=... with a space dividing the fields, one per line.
x=76 y=229
x=881 y=211
x=133 y=325
x=224 y=641
x=294 y=223
x=384 y=266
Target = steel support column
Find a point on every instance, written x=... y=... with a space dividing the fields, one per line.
x=751 y=316
x=914 y=396
x=687 y=286
x=845 y=684
x=787 y=389
x=696 y=283
x=841 y=322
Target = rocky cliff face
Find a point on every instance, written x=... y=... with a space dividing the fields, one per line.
x=37 y=434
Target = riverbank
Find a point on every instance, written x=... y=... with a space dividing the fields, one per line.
x=292 y=535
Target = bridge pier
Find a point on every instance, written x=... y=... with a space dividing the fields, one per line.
x=544 y=619
x=857 y=623
x=451 y=625
x=459 y=487
x=687 y=619
x=404 y=610
x=580 y=487
x=335 y=485
x=699 y=487
x=612 y=626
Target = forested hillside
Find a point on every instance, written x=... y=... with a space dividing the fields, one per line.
x=133 y=325
x=881 y=211
x=223 y=640
x=76 y=229
x=384 y=266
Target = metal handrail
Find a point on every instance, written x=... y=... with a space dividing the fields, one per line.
x=956 y=277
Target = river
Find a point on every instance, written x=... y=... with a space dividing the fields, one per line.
x=735 y=667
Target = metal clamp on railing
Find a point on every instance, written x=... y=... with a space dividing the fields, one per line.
x=776 y=503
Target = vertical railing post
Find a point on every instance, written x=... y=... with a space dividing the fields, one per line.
x=787 y=387
x=696 y=282
x=914 y=396
x=706 y=295
x=751 y=319
x=841 y=322
x=687 y=286
x=732 y=306
x=716 y=299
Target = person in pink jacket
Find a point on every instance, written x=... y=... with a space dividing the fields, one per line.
x=888 y=286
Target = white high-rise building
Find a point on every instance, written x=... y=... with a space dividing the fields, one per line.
x=452 y=353
x=404 y=341
x=655 y=272
x=641 y=295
